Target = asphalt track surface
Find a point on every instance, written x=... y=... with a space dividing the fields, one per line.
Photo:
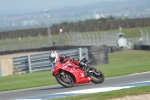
x=114 y=81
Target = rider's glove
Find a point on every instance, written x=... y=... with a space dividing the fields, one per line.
x=83 y=64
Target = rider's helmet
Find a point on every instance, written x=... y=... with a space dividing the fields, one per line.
x=53 y=56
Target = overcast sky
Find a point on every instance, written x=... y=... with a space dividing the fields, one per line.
x=12 y=6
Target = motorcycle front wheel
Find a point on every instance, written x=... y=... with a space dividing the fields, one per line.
x=97 y=77
x=65 y=80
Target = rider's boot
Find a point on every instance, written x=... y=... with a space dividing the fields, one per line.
x=86 y=73
x=85 y=68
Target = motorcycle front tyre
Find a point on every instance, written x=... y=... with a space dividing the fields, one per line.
x=60 y=79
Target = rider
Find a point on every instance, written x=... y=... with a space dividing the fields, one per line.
x=54 y=58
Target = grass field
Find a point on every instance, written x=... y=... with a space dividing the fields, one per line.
x=120 y=63
x=126 y=62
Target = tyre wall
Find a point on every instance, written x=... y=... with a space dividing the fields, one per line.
x=98 y=55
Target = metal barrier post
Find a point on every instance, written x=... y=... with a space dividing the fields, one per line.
x=29 y=64
x=87 y=54
x=80 y=53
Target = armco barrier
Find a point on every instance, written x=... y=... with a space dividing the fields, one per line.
x=145 y=47
x=40 y=62
x=141 y=47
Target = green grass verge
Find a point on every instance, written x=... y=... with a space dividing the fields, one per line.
x=130 y=32
x=120 y=63
x=26 y=81
x=110 y=95
x=126 y=62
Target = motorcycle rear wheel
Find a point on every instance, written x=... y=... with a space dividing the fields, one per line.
x=66 y=81
x=97 y=78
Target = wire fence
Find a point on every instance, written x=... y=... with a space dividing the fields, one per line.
x=73 y=39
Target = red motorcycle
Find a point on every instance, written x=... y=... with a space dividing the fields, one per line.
x=69 y=74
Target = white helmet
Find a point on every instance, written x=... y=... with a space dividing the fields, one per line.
x=53 y=56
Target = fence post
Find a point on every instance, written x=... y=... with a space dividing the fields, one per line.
x=0 y=72
x=87 y=53
x=49 y=35
x=80 y=53
x=29 y=64
x=93 y=38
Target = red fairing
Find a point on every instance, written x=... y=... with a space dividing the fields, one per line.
x=57 y=67
x=75 y=61
x=74 y=70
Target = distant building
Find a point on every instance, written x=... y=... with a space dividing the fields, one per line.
x=29 y=22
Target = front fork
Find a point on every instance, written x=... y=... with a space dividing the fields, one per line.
x=63 y=74
x=96 y=72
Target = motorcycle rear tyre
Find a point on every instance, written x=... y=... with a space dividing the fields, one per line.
x=96 y=79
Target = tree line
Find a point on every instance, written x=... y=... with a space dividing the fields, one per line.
x=102 y=19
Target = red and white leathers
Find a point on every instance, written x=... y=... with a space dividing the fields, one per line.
x=54 y=58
